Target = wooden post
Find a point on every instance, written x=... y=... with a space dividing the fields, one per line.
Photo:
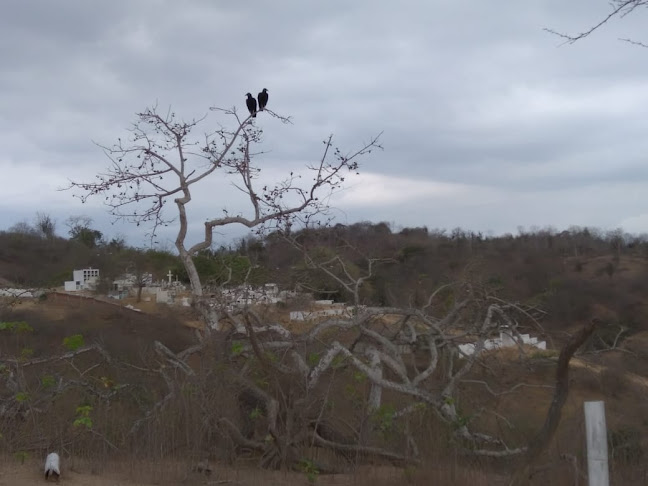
x=597 y=452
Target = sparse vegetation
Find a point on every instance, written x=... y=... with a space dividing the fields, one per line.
x=625 y=446
x=109 y=389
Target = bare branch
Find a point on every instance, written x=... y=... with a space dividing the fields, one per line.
x=235 y=433
x=60 y=357
x=620 y=8
x=508 y=391
x=634 y=42
x=366 y=450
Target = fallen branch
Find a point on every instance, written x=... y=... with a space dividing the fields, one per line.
x=397 y=459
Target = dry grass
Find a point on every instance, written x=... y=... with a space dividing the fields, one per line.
x=619 y=378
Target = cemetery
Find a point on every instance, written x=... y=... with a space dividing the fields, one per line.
x=172 y=292
x=506 y=339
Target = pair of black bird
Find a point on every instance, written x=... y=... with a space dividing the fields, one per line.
x=252 y=103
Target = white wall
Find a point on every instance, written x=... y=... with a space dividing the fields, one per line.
x=70 y=286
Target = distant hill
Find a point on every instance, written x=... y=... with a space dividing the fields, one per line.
x=569 y=275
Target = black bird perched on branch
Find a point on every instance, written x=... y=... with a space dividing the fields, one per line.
x=251 y=104
x=263 y=99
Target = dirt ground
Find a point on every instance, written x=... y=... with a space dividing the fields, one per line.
x=12 y=473
x=28 y=475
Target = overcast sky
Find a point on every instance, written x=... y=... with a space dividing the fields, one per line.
x=489 y=122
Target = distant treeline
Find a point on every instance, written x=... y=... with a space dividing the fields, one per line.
x=532 y=264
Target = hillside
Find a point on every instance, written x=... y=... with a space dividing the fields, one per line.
x=143 y=407
x=617 y=377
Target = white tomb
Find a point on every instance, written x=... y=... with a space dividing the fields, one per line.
x=84 y=279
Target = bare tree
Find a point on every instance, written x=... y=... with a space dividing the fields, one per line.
x=620 y=8
x=23 y=228
x=413 y=353
x=46 y=225
x=139 y=268
x=164 y=158
x=75 y=222
x=79 y=229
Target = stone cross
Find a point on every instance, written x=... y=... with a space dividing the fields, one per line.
x=169 y=275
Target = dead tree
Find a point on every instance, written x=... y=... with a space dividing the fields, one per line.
x=412 y=353
x=163 y=159
x=293 y=395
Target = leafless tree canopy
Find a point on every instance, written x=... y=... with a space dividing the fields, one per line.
x=164 y=157
x=45 y=225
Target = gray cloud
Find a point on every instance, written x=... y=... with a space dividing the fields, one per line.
x=488 y=122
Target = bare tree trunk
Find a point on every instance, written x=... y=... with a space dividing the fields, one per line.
x=542 y=440
x=375 y=395
x=209 y=315
x=192 y=273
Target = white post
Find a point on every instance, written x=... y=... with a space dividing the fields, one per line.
x=597 y=453
x=169 y=275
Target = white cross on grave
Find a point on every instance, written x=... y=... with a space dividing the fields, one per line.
x=169 y=275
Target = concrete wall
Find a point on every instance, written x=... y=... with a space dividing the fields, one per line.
x=70 y=286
